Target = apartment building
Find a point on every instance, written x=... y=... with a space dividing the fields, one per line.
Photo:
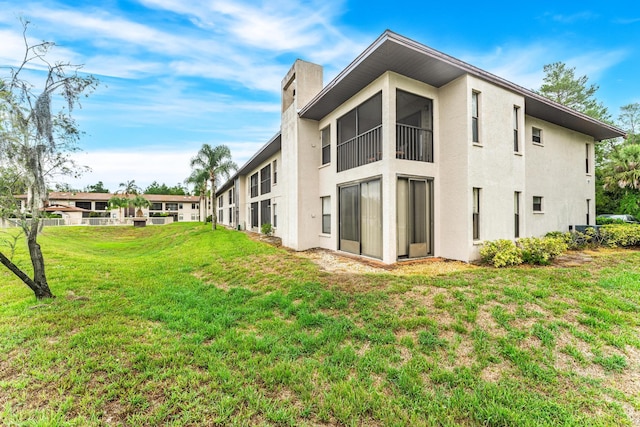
x=411 y=153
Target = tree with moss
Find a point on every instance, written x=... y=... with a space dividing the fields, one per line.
x=36 y=141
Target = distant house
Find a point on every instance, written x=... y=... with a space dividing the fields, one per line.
x=409 y=153
x=77 y=205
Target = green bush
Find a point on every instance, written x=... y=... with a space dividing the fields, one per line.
x=606 y=220
x=621 y=235
x=266 y=229
x=573 y=239
x=501 y=253
x=541 y=250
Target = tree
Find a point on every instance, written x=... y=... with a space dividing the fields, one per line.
x=37 y=141
x=629 y=119
x=96 y=188
x=562 y=86
x=155 y=188
x=214 y=162
x=139 y=202
x=129 y=187
x=198 y=179
x=117 y=202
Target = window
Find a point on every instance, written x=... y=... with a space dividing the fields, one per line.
x=84 y=205
x=172 y=206
x=220 y=215
x=516 y=136
x=254 y=214
x=325 y=136
x=220 y=202
x=516 y=212
x=475 y=131
x=231 y=196
x=275 y=215
x=230 y=215
x=360 y=135
x=587 y=158
x=326 y=215
x=476 y=214
x=265 y=212
x=180 y=206
x=101 y=206
x=275 y=172
x=536 y=135
x=194 y=206
x=537 y=204
x=156 y=206
x=588 y=211
x=254 y=185
x=265 y=179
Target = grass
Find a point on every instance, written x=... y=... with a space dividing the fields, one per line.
x=177 y=325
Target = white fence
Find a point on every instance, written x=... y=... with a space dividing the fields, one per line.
x=56 y=222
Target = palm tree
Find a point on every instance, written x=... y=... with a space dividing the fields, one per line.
x=214 y=161
x=139 y=202
x=199 y=178
x=116 y=202
x=623 y=169
x=127 y=188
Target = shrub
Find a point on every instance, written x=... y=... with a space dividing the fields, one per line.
x=541 y=250
x=267 y=229
x=209 y=218
x=621 y=234
x=605 y=220
x=501 y=253
x=573 y=239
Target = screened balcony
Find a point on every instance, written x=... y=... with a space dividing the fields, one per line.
x=414 y=127
x=360 y=150
x=360 y=135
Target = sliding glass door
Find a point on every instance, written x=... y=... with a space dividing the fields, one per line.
x=415 y=229
x=361 y=218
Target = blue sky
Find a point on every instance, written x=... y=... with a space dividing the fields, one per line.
x=176 y=74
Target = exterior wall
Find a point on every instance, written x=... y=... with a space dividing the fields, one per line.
x=556 y=171
x=275 y=196
x=452 y=205
x=298 y=220
x=494 y=166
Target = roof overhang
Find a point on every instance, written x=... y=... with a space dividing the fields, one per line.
x=267 y=150
x=392 y=52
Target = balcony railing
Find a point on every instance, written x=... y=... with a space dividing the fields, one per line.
x=360 y=150
x=413 y=143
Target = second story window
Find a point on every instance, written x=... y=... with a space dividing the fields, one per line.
x=325 y=136
x=536 y=135
x=516 y=131
x=265 y=179
x=475 y=115
x=254 y=185
x=231 y=196
x=275 y=172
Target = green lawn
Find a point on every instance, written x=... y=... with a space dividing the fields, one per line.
x=177 y=325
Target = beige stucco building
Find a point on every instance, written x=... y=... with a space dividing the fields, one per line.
x=409 y=153
x=76 y=206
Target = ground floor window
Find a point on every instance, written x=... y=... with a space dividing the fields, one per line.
x=254 y=214
x=360 y=218
x=265 y=212
x=275 y=213
x=326 y=215
x=475 y=217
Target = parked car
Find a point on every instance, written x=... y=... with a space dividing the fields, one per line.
x=630 y=219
